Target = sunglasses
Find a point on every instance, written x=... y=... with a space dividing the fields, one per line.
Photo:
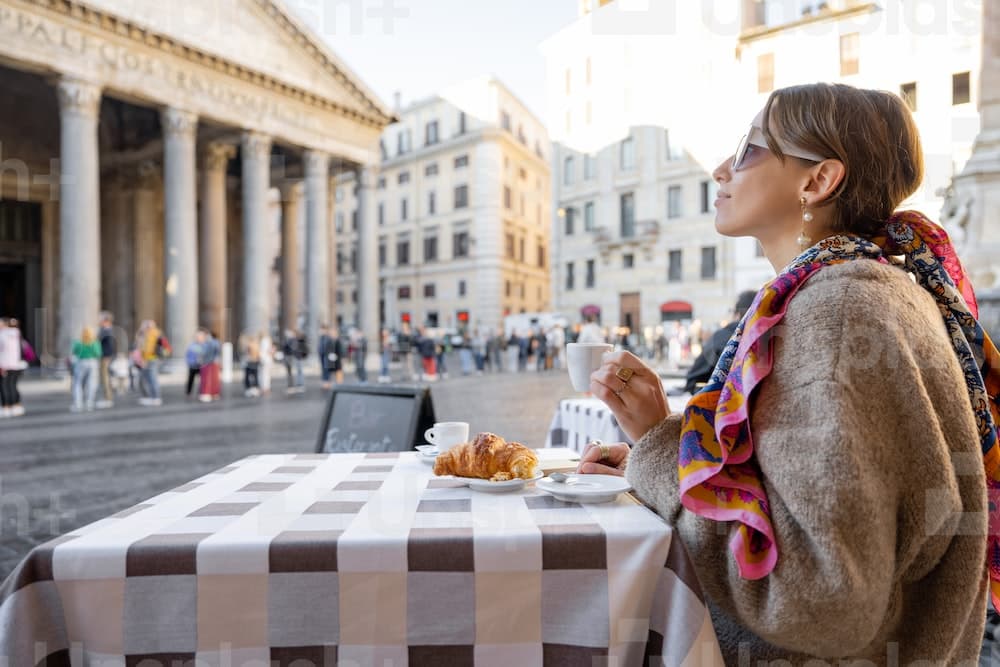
x=755 y=137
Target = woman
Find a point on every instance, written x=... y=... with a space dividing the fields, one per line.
x=266 y=362
x=830 y=482
x=12 y=364
x=86 y=356
x=209 y=383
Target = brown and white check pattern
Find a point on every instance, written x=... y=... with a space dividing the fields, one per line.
x=357 y=559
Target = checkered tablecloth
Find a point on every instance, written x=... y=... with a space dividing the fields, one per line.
x=357 y=559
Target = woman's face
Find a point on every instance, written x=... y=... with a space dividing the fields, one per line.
x=760 y=196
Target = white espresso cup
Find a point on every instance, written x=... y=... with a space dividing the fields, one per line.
x=445 y=435
x=582 y=359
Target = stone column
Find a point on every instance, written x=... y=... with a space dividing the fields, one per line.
x=256 y=154
x=79 y=210
x=212 y=249
x=317 y=268
x=972 y=211
x=291 y=289
x=147 y=255
x=367 y=276
x=180 y=216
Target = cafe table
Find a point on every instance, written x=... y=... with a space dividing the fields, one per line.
x=294 y=560
x=581 y=420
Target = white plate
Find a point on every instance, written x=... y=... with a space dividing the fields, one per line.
x=477 y=484
x=586 y=488
x=427 y=450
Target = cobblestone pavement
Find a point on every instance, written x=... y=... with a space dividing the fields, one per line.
x=60 y=470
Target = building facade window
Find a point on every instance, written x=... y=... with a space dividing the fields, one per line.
x=627 y=154
x=460 y=244
x=461 y=122
x=850 y=54
x=708 y=263
x=589 y=167
x=431 y=203
x=908 y=91
x=340 y=223
x=461 y=161
x=568 y=171
x=461 y=288
x=381 y=183
x=628 y=261
x=382 y=258
x=354 y=259
x=588 y=217
x=705 y=192
x=403 y=144
x=541 y=254
x=591 y=277
x=403 y=253
x=430 y=249
x=403 y=292
x=509 y=245
x=507 y=197
x=765 y=73
x=505 y=120
x=569 y=275
x=404 y=177
x=403 y=208
x=961 y=93
x=674 y=207
x=506 y=288
x=570 y=216
x=461 y=196
x=520 y=254
x=354 y=220
x=431 y=133
x=626 y=215
x=675 y=270
x=381 y=213
x=429 y=291
x=431 y=169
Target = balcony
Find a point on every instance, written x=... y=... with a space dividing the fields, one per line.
x=646 y=234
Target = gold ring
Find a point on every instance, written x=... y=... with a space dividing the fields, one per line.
x=605 y=452
x=624 y=374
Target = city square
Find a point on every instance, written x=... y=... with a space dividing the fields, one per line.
x=625 y=248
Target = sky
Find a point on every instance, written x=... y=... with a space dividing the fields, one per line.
x=419 y=47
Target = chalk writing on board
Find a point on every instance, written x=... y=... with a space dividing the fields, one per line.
x=338 y=441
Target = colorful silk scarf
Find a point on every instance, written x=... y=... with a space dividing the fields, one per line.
x=719 y=477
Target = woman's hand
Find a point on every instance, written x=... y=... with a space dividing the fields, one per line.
x=632 y=390
x=593 y=461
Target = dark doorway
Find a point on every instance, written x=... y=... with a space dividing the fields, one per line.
x=13 y=295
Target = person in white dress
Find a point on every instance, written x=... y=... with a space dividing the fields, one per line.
x=266 y=362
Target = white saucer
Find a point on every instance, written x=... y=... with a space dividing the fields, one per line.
x=586 y=488
x=477 y=484
x=427 y=450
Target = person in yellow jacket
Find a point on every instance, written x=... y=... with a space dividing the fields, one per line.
x=151 y=346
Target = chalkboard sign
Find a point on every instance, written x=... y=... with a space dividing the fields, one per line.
x=360 y=418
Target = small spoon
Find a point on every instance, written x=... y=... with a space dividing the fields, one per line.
x=561 y=478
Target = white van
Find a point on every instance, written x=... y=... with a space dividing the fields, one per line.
x=526 y=322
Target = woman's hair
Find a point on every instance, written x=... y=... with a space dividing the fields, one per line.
x=87 y=336
x=870 y=131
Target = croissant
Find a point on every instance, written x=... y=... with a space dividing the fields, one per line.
x=490 y=457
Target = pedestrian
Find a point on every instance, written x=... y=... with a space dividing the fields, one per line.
x=266 y=362
x=541 y=350
x=428 y=355
x=405 y=345
x=513 y=351
x=330 y=362
x=86 y=359
x=12 y=365
x=359 y=345
x=294 y=351
x=480 y=345
x=385 y=350
x=120 y=373
x=556 y=341
x=210 y=386
x=151 y=348
x=591 y=332
x=836 y=481
x=250 y=352
x=193 y=357
x=441 y=348
x=109 y=348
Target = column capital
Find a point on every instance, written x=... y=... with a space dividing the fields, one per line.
x=217 y=156
x=365 y=176
x=79 y=96
x=291 y=191
x=256 y=145
x=178 y=123
x=316 y=161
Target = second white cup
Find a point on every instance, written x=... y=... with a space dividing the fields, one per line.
x=445 y=435
x=582 y=359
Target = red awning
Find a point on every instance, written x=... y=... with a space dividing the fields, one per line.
x=590 y=309
x=675 y=307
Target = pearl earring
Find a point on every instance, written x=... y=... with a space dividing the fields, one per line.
x=803 y=240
